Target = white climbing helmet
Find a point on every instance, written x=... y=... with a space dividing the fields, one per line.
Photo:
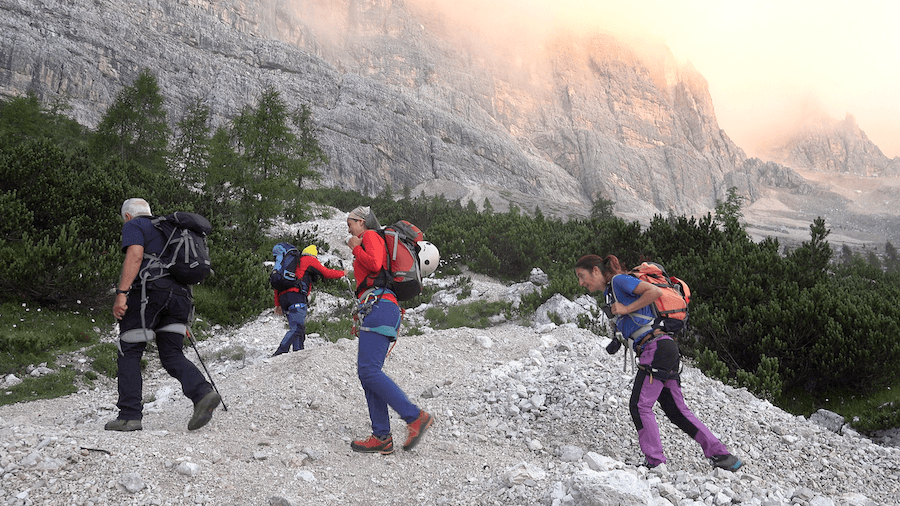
x=429 y=257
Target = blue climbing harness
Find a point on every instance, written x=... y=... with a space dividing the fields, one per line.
x=365 y=305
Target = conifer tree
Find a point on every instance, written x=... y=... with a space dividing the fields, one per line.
x=891 y=258
x=312 y=154
x=602 y=209
x=134 y=127
x=272 y=155
x=191 y=150
x=265 y=137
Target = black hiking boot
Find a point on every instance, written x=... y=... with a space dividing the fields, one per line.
x=203 y=410
x=727 y=462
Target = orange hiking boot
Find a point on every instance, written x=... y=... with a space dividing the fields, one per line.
x=374 y=444
x=417 y=429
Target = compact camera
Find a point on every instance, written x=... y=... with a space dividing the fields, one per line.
x=613 y=346
x=607 y=310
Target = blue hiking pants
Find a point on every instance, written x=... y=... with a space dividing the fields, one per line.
x=296 y=335
x=380 y=390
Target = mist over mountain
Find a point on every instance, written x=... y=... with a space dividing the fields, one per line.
x=832 y=145
x=415 y=94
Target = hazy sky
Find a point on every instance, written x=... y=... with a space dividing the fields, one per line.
x=769 y=61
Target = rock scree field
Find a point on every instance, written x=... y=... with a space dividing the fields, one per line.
x=522 y=416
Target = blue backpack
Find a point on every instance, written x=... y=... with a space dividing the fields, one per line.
x=284 y=272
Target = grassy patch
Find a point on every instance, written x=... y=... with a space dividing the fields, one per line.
x=35 y=335
x=331 y=329
x=48 y=386
x=410 y=331
x=475 y=315
x=104 y=357
x=234 y=352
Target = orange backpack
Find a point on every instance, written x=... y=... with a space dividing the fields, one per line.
x=670 y=310
x=676 y=293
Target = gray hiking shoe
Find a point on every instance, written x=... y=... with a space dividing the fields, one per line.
x=123 y=425
x=727 y=462
x=646 y=463
x=203 y=410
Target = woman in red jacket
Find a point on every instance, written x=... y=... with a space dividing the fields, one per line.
x=379 y=320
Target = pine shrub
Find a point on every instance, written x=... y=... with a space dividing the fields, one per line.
x=237 y=290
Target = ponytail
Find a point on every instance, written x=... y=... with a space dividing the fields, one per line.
x=609 y=265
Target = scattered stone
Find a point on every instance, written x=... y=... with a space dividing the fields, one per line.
x=306 y=476
x=11 y=380
x=539 y=277
x=188 y=469
x=522 y=472
x=131 y=483
x=570 y=453
x=484 y=341
x=828 y=419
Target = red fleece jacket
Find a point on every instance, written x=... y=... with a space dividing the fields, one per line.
x=309 y=262
x=368 y=260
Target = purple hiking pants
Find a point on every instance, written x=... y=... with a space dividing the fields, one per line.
x=661 y=354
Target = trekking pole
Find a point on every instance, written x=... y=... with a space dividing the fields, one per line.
x=354 y=308
x=211 y=382
x=349 y=283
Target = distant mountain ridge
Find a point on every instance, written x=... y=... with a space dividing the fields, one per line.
x=401 y=97
x=834 y=146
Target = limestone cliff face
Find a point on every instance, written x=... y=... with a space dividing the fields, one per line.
x=401 y=96
x=834 y=146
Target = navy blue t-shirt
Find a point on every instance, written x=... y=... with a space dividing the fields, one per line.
x=141 y=231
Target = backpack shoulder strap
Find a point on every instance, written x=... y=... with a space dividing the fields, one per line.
x=644 y=322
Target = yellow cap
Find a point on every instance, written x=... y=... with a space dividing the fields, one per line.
x=311 y=250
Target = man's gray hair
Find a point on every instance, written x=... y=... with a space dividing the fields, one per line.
x=136 y=207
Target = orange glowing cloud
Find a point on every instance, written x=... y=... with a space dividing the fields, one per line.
x=766 y=61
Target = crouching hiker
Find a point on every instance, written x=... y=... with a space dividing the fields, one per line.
x=379 y=320
x=163 y=315
x=292 y=294
x=658 y=378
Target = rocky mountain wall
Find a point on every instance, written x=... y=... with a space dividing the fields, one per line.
x=402 y=96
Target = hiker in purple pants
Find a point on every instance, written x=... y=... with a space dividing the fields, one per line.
x=658 y=377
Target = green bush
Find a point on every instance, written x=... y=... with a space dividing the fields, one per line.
x=58 y=267
x=826 y=330
x=708 y=362
x=237 y=290
x=765 y=381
